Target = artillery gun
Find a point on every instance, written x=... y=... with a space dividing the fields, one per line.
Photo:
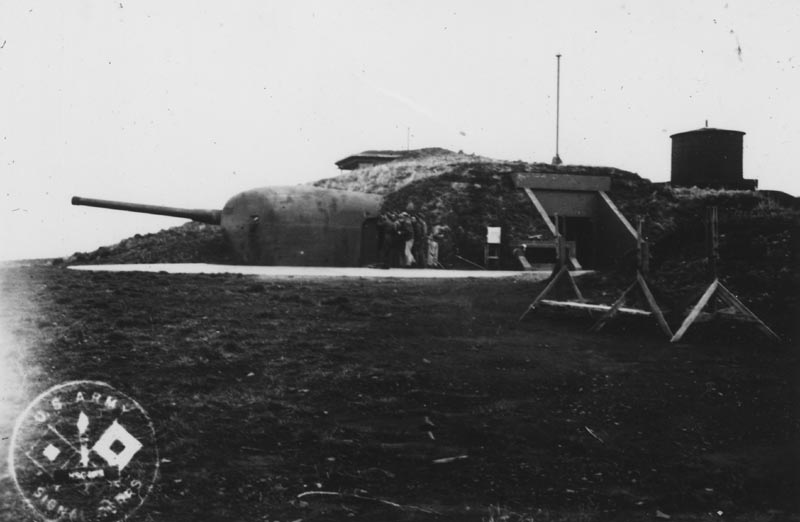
x=289 y=226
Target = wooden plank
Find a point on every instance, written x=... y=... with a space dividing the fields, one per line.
x=612 y=310
x=653 y=305
x=542 y=211
x=524 y=262
x=642 y=250
x=563 y=271
x=695 y=311
x=575 y=288
x=534 y=243
x=610 y=204
x=559 y=181
x=561 y=248
x=593 y=307
x=544 y=292
x=704 y=317
x=727 y=296
x=713 y=239
x=727 y=315
x=742 y=312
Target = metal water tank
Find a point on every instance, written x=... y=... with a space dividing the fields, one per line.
x=707 y=157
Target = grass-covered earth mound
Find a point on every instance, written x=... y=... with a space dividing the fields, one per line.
x=188 y=243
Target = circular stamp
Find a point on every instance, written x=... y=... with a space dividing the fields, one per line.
x=83 y=450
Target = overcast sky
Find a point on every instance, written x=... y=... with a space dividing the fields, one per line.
x=187 y=103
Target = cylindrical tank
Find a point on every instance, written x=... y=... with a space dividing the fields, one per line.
x=707 y=157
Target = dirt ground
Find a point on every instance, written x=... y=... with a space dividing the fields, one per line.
x=261 y=391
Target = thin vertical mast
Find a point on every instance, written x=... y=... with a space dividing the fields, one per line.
x=557 y=158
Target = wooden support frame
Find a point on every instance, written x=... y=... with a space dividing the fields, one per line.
x=740 y=311
x=712 y=239
x=542 y=212
x=563 y=271
x=592 y=307
x=655 y=310
x=555 y=229
x=731 y=300
x=643 y=265
x=613 y=208
x=491 y=252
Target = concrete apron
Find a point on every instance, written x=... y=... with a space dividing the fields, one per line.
x=271 y=272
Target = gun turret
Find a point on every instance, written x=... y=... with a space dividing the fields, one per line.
x=284 y=226
x=212 y=217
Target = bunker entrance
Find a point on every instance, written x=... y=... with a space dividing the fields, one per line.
x=595 y=233
x=580 y=234
x=581 y=231
x=369 y=242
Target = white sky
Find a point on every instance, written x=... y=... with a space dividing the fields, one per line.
x=186 y=103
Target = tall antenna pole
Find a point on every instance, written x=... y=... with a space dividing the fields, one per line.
x=557 y=158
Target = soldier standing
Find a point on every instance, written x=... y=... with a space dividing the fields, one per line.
x=398 y=243
x=423 y=247
x=416 y=248
x=407 y=238
x=384 y=240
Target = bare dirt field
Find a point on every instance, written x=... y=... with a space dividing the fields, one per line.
x=412 y=399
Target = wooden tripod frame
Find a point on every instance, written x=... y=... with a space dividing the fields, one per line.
x=643 y=263
x=741 y=312
x=642 y=267
x=562 y=271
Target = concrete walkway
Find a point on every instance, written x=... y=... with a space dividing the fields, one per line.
x=316 y=272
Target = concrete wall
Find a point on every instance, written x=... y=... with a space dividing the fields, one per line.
x=564 y=203
x=561 y=181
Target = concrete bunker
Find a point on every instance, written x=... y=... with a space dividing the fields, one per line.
x=597 y=234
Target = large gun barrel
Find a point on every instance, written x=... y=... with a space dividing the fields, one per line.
x=212 y=217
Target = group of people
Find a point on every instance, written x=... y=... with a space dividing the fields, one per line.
x=403 y=240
